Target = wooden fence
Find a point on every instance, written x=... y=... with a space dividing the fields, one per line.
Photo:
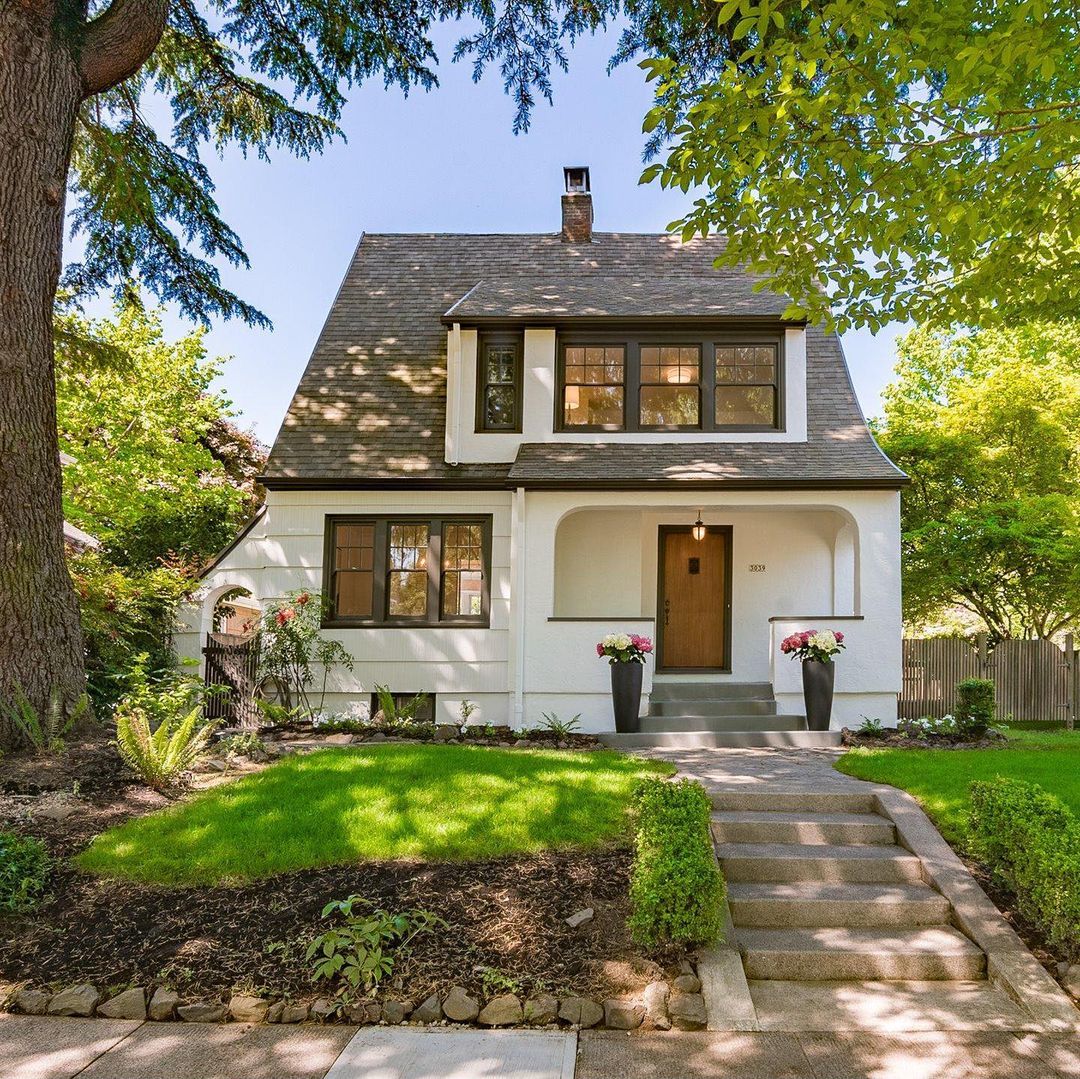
x=1033 y=680
x=232 y=663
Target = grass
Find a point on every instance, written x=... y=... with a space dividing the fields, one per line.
x=939 y=778
x=339 y=806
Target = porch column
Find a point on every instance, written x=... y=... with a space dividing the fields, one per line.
x=845 y=570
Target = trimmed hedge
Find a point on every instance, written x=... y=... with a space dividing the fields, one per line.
x=676 y=889
x=975 y=703
x=1030 y=841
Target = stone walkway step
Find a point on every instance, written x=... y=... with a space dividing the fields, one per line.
x=741 y=721
x=859 y=906
x=808 y=828
x=675 y=740
x=705 y=706
x=782 y=862
x=885 y=1007
x=927 y=953
x=766 y=799
x=668 y=689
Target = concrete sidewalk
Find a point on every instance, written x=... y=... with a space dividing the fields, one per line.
x=45 y=1048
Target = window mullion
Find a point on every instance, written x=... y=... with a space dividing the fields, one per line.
x=381 y=565
x=434 y=589
x=632 y=390
x=708 y=385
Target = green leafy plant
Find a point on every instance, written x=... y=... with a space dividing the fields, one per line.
x=870 y=727
x=43 y=732
x=290 y=641
x=496 y=981
x=362 y=950
x=276 y=714
x=1030 y=841
x=676 y=888
x=394 y=715
x=562 y=728
x=465 y=710
x=975 y=710
x=243 y=744
x=159 y=729
x=24 y=872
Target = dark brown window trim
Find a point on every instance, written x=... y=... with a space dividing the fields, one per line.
x=706 y=339
x=502 y=337
x=381 y=571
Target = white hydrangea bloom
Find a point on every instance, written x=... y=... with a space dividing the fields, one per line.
x=617 y=640
x=825 y=640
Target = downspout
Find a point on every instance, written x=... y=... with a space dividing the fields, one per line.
x=518 y=607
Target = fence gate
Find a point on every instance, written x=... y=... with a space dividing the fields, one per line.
x=231 y=661
x=1033 y=680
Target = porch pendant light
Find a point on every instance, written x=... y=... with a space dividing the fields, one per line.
x=698 y=531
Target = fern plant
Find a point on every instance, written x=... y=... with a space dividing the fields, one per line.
x=160 y=755
x=561 y=728
x=398 y=715
x=43 y=733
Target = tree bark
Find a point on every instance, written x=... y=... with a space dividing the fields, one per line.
x=41 y=648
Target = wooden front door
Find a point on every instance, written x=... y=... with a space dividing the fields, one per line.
x=694 y=599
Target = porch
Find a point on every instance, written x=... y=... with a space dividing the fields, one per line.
x=717 y=601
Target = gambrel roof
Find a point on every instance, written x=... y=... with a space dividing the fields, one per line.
x=370 y=409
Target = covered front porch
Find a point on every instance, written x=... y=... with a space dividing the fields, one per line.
x=716 y=599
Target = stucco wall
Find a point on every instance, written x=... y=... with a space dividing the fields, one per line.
x=585 y=565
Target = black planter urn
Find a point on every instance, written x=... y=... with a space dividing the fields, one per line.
x=626 y=695
x=817 y=685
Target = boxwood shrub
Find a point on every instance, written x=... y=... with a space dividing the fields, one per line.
x=974 y=703
x=676 y=888
x=1030 y=841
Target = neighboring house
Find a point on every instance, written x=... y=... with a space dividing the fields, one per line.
x=498 y=452
x=75 y=539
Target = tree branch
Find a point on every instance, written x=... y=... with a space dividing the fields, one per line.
x=119 y=42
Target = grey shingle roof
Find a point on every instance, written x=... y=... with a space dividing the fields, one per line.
x=718 y=296
x=371 y=406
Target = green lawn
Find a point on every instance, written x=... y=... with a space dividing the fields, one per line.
x=377 y=802
x=939 y=778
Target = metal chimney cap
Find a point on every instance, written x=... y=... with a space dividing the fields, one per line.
x=576 y=179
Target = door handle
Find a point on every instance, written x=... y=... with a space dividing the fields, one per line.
x=667 y=610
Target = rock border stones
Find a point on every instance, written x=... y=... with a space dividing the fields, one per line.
x=660 y=1006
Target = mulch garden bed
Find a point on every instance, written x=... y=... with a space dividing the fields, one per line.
x=505 y=916
x=891 y=738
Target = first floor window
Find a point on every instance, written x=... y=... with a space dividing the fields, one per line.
x=407 y=571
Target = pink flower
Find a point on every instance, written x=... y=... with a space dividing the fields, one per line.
x=303 y=598
x=839 y=637
x=285 y=615
x=599 y=649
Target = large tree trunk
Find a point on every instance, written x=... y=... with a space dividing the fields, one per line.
x=41 y=647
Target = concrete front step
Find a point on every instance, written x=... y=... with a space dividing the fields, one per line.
x=885 y=1007
x=697 y=707
x=807 y=828
x=723 y=740
x=679 y=724
x=855 y=906
x=766 y=799
x=926 y=953
x=792 y=862
x=666 y=689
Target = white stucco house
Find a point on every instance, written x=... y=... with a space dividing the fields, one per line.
x=496 y=456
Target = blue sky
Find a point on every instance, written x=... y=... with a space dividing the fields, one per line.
x=446 y=161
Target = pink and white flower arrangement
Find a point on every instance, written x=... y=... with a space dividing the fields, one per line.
x=820 y=645
x=624 y=648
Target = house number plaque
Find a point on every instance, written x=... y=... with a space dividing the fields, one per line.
x=757 y=567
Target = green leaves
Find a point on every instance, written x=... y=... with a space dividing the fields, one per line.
x=362 y=952
x=910 y=160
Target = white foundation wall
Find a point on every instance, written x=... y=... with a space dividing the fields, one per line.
x=284 y=552
x=570 y=567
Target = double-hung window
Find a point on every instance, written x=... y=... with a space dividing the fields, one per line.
x=499 y=372
x=407 y=570
x=695 y=380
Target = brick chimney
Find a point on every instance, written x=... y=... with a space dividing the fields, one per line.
x=576 y=205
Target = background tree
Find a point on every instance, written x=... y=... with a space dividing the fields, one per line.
x=885 y=160
x=160 y=470
x=986 y=426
